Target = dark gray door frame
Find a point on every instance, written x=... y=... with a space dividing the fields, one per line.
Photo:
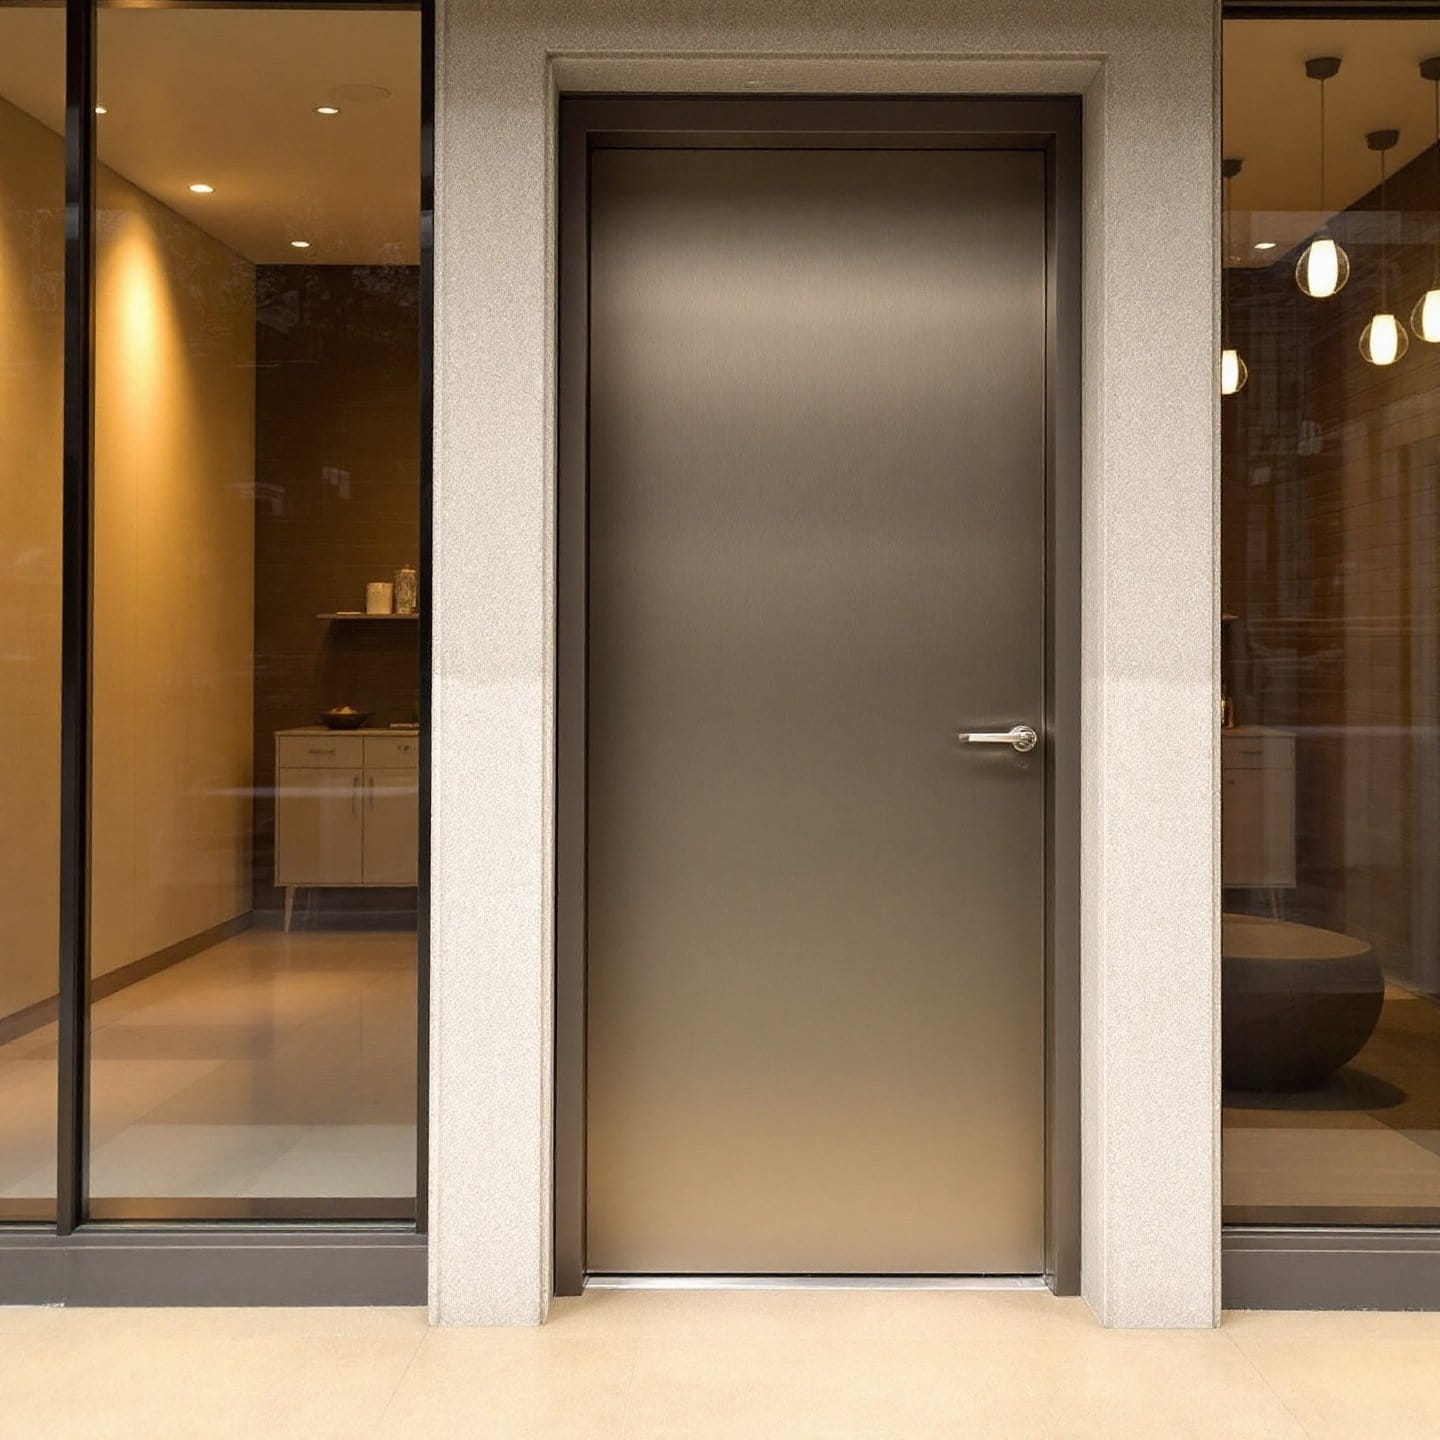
x=1051 y=126
x=213 y=1265
x=1330 y=1267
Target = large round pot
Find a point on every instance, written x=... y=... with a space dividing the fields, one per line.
x=1298 y=1002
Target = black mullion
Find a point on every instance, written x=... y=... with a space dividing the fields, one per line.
x=425 y=593
x=74 y=956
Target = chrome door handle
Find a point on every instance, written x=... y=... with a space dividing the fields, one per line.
x=1022 y=737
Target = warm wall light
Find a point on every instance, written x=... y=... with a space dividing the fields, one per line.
x=1323 y=267
x=327 y=109
x=300 y=244
x=1233 y=372
x=202 y=189
x=101 y=110
x=1383 y=341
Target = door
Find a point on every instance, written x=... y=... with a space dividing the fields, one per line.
x=392 y=831
x=814 y=918
x=318 y=826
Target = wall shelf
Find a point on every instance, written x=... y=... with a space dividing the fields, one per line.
x=360 y=615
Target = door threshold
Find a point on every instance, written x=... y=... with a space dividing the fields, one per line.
x=815 y=1282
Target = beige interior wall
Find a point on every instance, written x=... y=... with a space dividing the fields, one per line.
x=174 y=579
x=174 y=569
x=32 y=261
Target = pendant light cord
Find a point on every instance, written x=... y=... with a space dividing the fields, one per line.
x=1224 y=277
x=1384 y=243
x=1436 y=283
x=1323 y=220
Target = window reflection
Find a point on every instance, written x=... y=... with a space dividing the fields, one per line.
x=1331 y=639
x=256 y=476
x=32 y=287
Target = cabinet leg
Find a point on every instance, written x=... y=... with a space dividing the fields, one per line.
x=289 y=906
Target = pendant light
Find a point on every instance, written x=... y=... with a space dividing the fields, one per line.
x=1383 y=341
x=1323 y=267
x=1233 y=372
x=1425 y=317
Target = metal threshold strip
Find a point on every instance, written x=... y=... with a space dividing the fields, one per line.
x=815 y=1282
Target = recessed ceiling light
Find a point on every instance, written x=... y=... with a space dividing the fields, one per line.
x=1264 y=244
x=101 y=110
x=202 y=189
x=327 y=109
x=300 y=244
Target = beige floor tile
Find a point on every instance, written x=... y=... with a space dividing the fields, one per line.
x=513 y=1384
x=628 y=1365
x=116 y=1375
x=1349 y=1375
x=27 y=1322
x=1031 y=1375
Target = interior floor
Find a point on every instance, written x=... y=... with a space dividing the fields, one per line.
x=269 y=1066
x=1365 y=1143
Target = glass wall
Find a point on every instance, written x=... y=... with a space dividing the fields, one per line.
x=255 y=685
x=1331 y=626
x=32 y=320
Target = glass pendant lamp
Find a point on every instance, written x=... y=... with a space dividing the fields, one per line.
x=1323 y=267
x=1425 y=317
x=1384 y=340
x=1233 y=371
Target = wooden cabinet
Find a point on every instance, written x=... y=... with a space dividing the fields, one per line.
x=318 y=832
x=1257 y=800
x=347 y=809
x=391 y=846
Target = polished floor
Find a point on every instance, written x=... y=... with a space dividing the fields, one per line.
x=269 y=1067
x=1364 y=1147
x=728 y=1365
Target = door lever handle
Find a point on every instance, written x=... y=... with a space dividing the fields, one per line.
x=1022 y=737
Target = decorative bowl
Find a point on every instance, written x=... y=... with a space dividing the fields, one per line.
x=344 y=718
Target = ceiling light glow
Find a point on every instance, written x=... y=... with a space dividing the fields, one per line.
x=300 y=244
x=327 y=109
x=201 y=189
x=1264 y=244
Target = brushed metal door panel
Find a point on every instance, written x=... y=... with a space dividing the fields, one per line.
x=817 y=507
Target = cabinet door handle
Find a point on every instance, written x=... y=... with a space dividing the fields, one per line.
x=354 y=794
x=370 y=785
x=315 y=750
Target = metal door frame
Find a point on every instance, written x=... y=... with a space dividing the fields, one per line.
x=1051 y=126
